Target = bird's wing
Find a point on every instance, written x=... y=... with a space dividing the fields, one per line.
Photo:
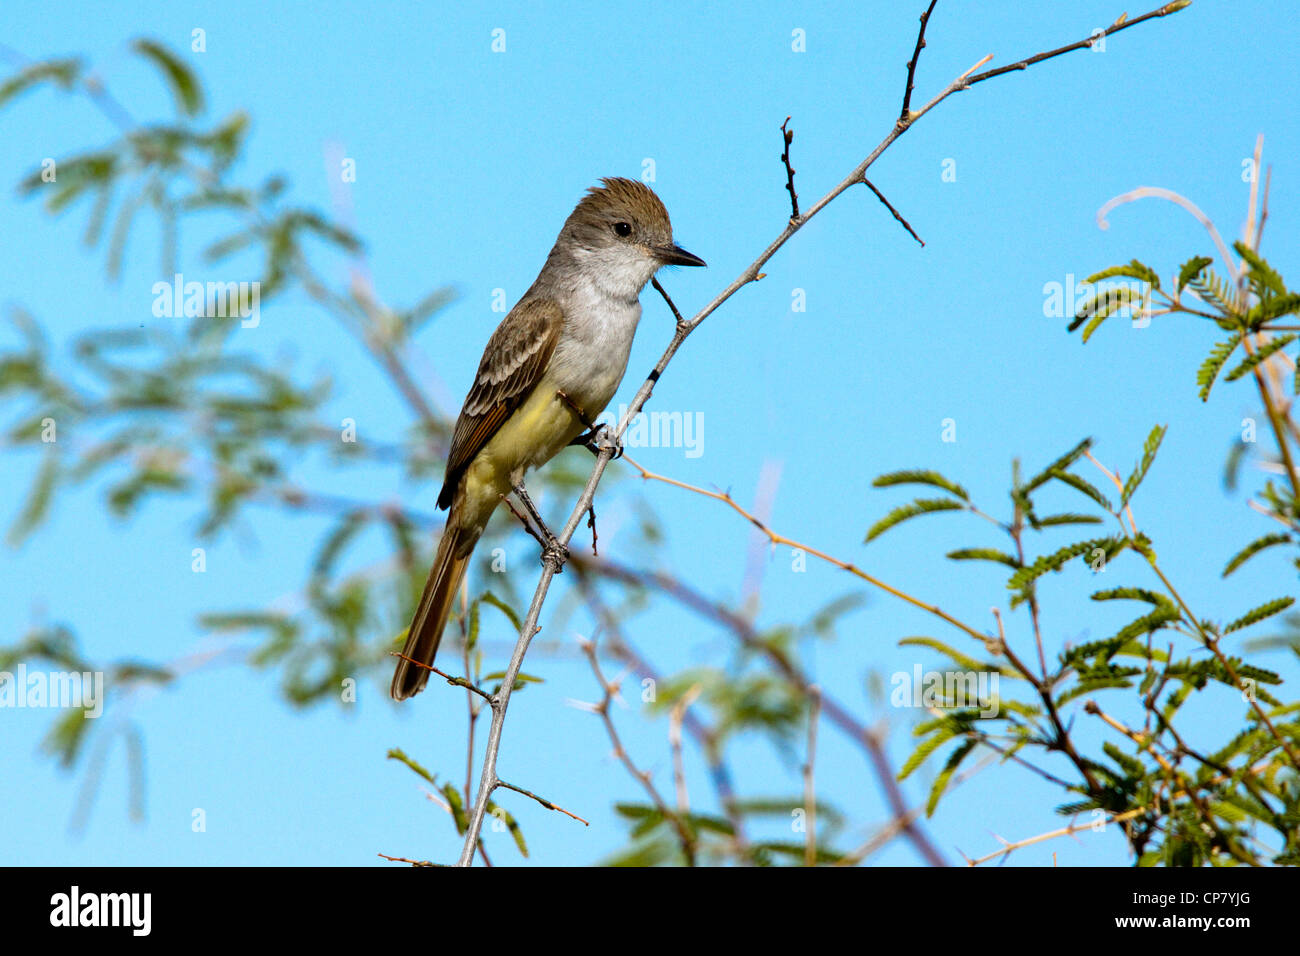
x=513 y=362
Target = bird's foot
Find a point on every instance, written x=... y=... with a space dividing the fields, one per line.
x=600 y=438
x=554 y=555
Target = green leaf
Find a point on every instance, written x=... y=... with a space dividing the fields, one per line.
x=1068 y=518
x=1062 y=463
x=649 y=853
x=64 y=72
x=1125 y=640
x=1079 y=484
x=506 y=817
x=520 y=678
x=963 y=661
x=1261 y=354
x=457 y=805
x=1130 y=766
x=1133 y=594
x=705 y=821
x=784 y=808
x=1102 y=306
x=471 y=632
x=1209 y=369
x=984 y=554
x=1217 y=293
x=337 y=541
x=1258 y=614
x=1147 y=624
x=1191 y=269
x=1133 y=270
x=921 y=478
x=796 y=851
x=902 y=513
x=37 y=505
x=1259 y=268
x=189 y=96
x=65 y=738
x=314 y=222
x=1252 y=549
x=413 y=318
x=1057 y=559
x=1273 y=307
x=927 y=747
x=504 y=608
x=1094 y=684
x=400 y=755
x=1148 y=456
x=945 y=775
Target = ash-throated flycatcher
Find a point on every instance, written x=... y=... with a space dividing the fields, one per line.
x=548 y=370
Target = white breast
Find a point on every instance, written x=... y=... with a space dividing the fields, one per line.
x=599 y=327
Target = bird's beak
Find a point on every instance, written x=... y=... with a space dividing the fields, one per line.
x=677 y=256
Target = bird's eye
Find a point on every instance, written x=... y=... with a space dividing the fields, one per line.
x=623 y=229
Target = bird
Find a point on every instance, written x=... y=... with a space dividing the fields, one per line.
x=547 y=372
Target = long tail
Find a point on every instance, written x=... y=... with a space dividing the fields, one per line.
x=435 y=605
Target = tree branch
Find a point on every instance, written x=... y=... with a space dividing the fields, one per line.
x=553 y=560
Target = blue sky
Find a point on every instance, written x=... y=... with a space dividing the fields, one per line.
x=467 y=163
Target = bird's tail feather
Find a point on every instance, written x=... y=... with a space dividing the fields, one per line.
x=431 y=613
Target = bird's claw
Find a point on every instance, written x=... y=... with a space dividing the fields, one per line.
x=602 y=437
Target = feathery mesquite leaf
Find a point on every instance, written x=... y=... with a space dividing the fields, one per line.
x=921 y=478
x=902 y=513
x=1149 y=450
x=1261 y=354
x=1252 y=549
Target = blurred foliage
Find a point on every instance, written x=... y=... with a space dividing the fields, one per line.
x=183 y=408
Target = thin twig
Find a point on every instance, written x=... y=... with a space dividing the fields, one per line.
x=903 y=115
x=890 y=206
x=403 y=859
x=708 y=737
x=685 y=836
x=591 y=523
x=454 y=681
x=837 y=713
x=654 y=281
x=543 y=801
x=777 y=538
x=1121 y=24
x=788 y=136
x=676 y=718
x=1159 y=192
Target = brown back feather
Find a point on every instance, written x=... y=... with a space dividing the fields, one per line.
x=513 y=362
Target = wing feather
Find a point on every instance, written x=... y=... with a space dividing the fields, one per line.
x=513 y=362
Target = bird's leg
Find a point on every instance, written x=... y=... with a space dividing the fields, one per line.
x=523 y=520
x=552 y=550
x=596 y=437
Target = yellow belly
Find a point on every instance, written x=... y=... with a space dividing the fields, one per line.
x=536 y=432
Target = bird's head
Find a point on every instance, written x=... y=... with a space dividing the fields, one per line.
x=620 y=235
